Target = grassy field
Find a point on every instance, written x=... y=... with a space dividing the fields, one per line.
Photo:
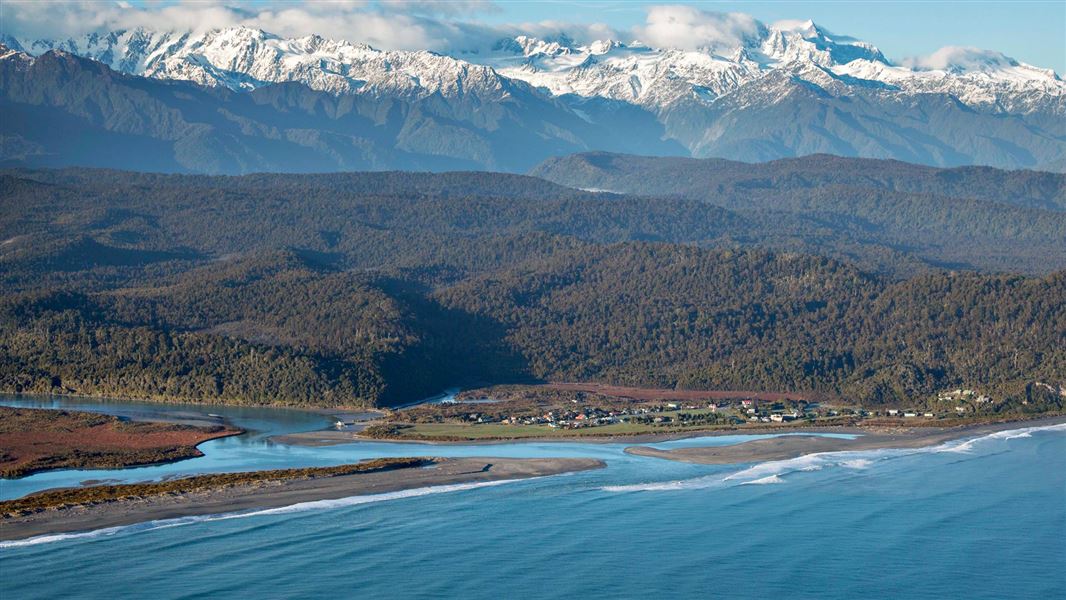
x=451 y=431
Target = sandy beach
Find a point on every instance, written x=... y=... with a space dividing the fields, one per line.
x=783 y=448
x=444 y=471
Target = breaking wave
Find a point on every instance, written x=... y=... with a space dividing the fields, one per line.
x=59 y=537
x=699 y=483
x=770 y=479
x=775 y=471
x=294 y=508
x=966 y=445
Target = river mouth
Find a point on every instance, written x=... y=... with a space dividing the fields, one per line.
x=865 y=514
x=258 y=422
x=256 y=450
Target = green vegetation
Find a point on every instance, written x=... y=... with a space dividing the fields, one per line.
x=667 y=316
x=66 y=498
x=34 y=440
x=875 y=213
x=451 y=431
x=381 y=288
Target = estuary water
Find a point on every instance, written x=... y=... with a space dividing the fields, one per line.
x=976 y=518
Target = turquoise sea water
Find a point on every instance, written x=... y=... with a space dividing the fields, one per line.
x=982 y=518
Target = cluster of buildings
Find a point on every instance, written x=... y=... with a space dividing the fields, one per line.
x=960 y=394
x=909 y=414
x=596 y=416
x=968 y=400
x=754 y=413
x=666 y=413
x=592 y=417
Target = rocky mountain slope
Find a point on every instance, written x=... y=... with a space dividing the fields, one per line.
x=62 y=109
x=786 y=90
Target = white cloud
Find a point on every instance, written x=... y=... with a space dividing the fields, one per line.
x=445 y=26
x=440 y=7
x=348 y=19
x=965 y=58
x=59 y=19
x=386 y=24
x=681 y=26
x=581 y=33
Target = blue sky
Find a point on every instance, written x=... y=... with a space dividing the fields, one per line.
x=1030 y=31
x=1033 y=32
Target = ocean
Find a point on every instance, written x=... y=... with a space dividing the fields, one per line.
x=979 y=518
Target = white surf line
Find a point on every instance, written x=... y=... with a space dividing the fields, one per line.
x=772 y=471
x=293 y=508
x=965 y=445
x=769 y=479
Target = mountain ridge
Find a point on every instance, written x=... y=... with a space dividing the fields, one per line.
x=787 y=90
x=132 y=122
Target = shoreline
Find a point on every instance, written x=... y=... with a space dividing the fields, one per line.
x=259 y=496
x=198 y=453
x=179 y=401
x=795 y=446
x=332 y=437
x=40 y=440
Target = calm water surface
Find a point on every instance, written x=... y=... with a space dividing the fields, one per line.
x=982 y=518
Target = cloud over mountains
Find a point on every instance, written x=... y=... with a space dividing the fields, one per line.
x=389 y=84
x=454 y=26
x=688 y=28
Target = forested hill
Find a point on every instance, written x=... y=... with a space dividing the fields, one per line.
x=351 y=217
x=968 y=217
x=712 y=177
x=370 y=289
x=639 y=314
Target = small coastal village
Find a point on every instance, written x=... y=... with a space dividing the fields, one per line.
x=713 y=413
x=530 y=411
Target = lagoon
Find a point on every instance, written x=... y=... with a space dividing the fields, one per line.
x=981 y=518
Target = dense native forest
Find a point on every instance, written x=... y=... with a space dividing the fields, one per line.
x=861 y=210
x=382 y=288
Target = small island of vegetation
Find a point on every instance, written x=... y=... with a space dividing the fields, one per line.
x=100 y=494
x=34 y=440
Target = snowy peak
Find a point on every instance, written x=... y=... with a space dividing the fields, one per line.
x=14 y=54
x=790 y=41
x=658 y=78
x=531 y=46
x=634 y=73
x=784 y=90
x=245 y=58
x=604 y=46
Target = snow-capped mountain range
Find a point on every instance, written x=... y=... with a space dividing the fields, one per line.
x=790 y=89
x=659 y=77
x=242 y=58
